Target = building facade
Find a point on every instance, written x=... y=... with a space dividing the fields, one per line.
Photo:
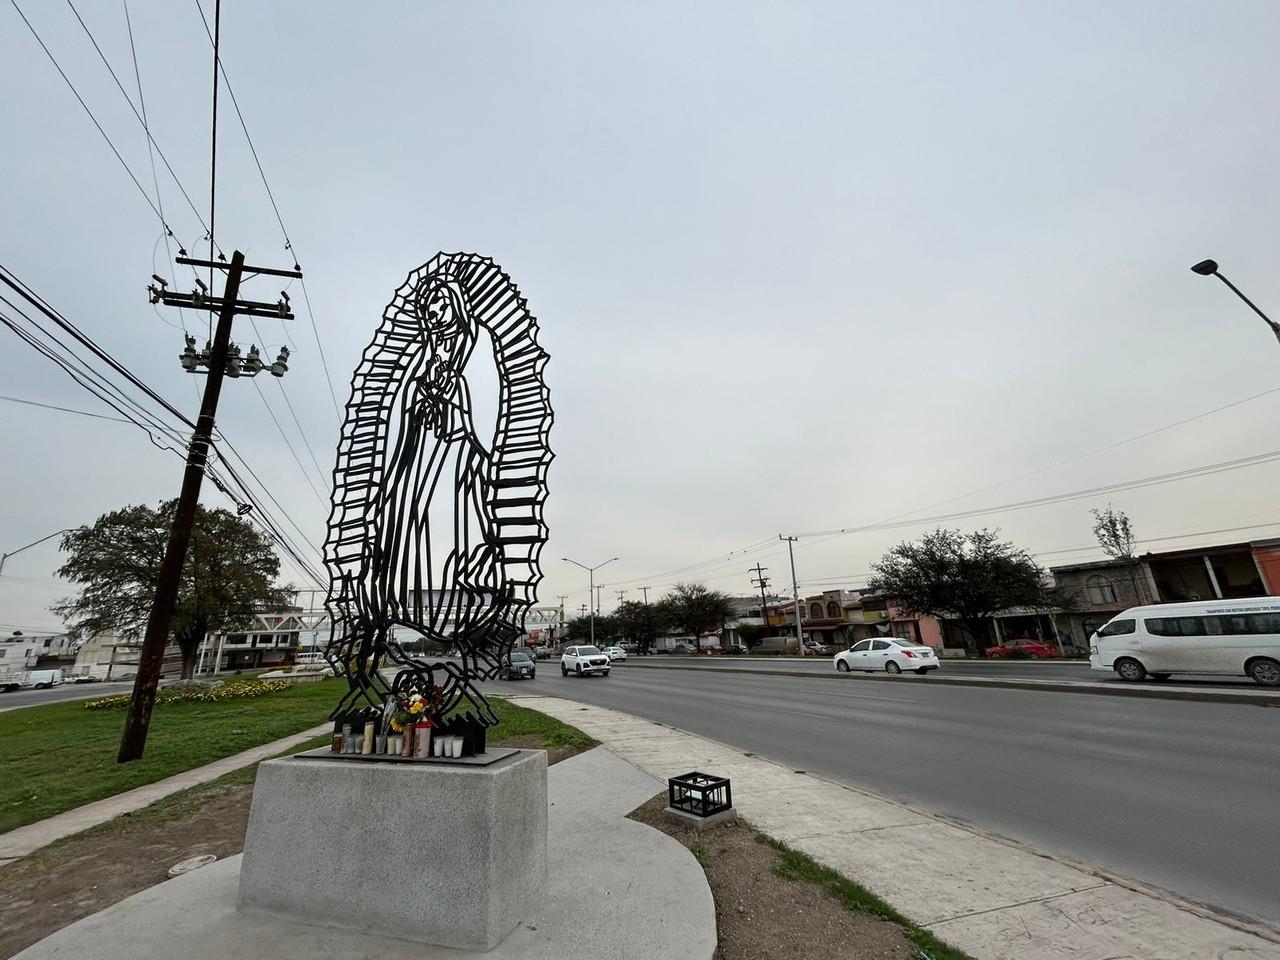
x=1096 y=592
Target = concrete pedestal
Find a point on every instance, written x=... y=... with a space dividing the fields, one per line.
x=450 y=855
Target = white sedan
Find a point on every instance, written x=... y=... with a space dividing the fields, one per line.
x=892 y=655
x=615 y=654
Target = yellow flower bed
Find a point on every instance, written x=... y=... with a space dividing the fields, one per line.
x=228 y=691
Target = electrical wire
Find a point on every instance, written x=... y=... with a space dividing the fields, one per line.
x=141 y=117
x=294 y=453
x=50 y=406
x=288 y=241
x=76 y=92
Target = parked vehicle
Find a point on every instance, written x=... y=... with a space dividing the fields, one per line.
x=1217 y=637
x=816 y=648
x=85 y=678
x=712 y=651
x=776 y=645
x=615 y=653
x=1025 y=649
x=892 y=655
x=681 y=647
x=518 y=665
x=584 y=661
x=31 y=680
x=736 y=649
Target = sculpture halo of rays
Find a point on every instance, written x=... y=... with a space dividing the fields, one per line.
x=455 y=562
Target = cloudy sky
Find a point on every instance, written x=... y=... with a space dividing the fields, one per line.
x=801 y=267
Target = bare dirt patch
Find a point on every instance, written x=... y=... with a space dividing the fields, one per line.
x=762 y=916
x=85 y=873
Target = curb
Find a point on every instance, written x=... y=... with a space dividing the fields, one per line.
x=1055 y=686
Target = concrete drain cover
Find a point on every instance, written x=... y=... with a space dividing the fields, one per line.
x=191 y=863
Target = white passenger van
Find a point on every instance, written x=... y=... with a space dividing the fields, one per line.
x=1223 y=637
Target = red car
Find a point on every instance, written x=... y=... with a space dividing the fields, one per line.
x=1031 y=649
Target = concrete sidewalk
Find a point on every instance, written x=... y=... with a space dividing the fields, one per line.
x=26 y=840
x=615 y=888
x=994 y=899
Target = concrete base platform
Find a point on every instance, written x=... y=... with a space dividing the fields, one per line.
x=701 y=823
x=419 y=850
x=615 y=888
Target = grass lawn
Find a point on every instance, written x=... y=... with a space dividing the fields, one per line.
x=59 y=756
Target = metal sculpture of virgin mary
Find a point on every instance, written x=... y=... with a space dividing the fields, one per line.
x=437 y=520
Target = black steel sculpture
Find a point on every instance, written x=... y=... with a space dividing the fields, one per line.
x=436 y=525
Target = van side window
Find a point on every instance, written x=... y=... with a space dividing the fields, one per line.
x=1118 y=628
x=1264 y=622
x=1175 y=626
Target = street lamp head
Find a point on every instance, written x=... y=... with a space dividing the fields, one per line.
x=1206 y=268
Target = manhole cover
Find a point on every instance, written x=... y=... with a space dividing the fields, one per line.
x=191 y=863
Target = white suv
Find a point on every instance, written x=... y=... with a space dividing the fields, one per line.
x=584 y=661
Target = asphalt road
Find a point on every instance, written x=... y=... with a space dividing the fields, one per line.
x=991 y=669
x=67 y=691
x=1183 y=796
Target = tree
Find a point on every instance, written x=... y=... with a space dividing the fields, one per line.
x=578 y=630
x=638 y=622
x=230 y=571
x=751 y=634
x=1114 y=534
x=693 y=609
x=968 y=577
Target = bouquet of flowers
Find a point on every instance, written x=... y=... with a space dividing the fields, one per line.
x=414 y=707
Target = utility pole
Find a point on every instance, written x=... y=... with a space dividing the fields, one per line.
x=762 y=582
x=599 y=587
x=795 y=591
x=222 y=358
x=645 y=591
x=621 y=594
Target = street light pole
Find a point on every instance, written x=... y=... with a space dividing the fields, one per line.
x=795 y=591
x=591 y=579
x=34 y=543
x=1209 y=268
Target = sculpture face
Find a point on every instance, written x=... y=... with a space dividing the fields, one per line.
x=434 y=530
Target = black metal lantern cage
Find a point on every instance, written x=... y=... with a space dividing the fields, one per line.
x=699 y=794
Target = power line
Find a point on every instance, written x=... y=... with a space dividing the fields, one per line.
x=141 y=117
x=285 y=438
x=76 y=92
x=1203 y=470
x=50 y=406
x=288 y=241
x=1091 y=453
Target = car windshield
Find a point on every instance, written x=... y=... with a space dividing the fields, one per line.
x=588 y=651
x=520 y=655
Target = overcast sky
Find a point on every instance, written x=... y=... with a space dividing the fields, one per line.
x=799 y=266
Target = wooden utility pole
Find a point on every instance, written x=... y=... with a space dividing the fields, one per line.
x=762 y=582
x=157 y=636
x=169 y=582
x=795 y=591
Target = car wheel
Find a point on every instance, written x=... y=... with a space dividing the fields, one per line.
x=1129 y=669
x=892 y=667
x=604 y=673
x=44 y=686
x=564 y=671
x=1264 y=671
x=922 y=671
x=532 y=674
x=1033 y=656
x=1159 y=676
x=842 y=666
x=579 y=669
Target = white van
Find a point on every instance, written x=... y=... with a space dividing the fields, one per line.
x=1222 y=637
